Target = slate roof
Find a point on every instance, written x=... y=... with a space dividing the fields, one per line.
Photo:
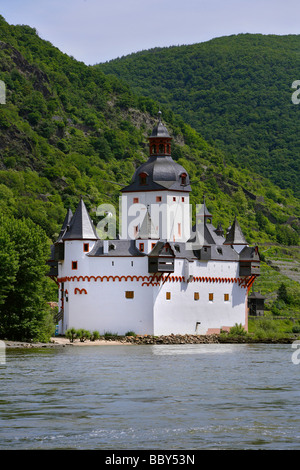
x=161 y=170
x=235 y=235
x=81 y=226
x=160 y=130
x=162 y=173
x=249 y=253
x=65 y=224
x=115 y=248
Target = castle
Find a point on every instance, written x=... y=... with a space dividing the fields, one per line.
x=159 y=275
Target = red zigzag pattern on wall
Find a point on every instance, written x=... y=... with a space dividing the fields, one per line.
x=155 y=280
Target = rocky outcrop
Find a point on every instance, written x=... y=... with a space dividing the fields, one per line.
x=173 y=339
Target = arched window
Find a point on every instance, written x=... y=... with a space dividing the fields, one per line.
x=183 y=179
x=143 y=179
x=161 y=148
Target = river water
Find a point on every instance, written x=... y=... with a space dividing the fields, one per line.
x=212 y=397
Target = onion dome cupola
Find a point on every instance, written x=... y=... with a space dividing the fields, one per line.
x=160 y=140
x=160 y=172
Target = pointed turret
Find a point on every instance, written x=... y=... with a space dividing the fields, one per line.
x=65 y=225
x=81 y=226
x=235 y=235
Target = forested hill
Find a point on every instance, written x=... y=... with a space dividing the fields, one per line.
x=236 y=91
x=68 y=129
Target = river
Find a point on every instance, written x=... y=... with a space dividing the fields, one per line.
x=212 y=397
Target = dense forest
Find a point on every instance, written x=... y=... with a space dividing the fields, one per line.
x=68 y=130
x=236 y=91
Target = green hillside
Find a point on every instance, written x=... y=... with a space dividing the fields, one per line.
x=68 y=129
x=236 y=91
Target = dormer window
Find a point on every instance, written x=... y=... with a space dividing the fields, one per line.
x=143 y=179
x=183 y=179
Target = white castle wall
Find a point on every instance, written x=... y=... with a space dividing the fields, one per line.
x=104 y=306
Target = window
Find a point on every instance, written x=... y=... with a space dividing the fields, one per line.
x=179 y=230
x=129 y=294
x=168 y=295
x=143 y=179
x=141 y=246
x=182 y=199
x=196 y=296
x=112 y=263
x=86 y=247
x=158 y=198
x=210 y=297
x=135 y=200
x=226 y=297
x=183 y=179
x=174 y=199
x=74 y=264
x=152 y=245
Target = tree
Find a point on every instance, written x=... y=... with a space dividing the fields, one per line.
x=282 y=293
x=24 y=313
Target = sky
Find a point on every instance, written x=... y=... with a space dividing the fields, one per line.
x=95 y=31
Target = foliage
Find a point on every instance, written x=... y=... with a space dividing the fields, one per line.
x=235 y=91
x=71 y=334
x=83 y=334
x=237 y=330
x=95 y=335
x=69 y=130
x=24 y=313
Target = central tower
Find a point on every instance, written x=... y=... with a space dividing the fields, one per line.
x=158 y=193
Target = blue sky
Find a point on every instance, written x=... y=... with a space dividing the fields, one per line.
x=95 y=31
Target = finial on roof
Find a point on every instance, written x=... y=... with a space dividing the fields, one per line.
x=159 y=115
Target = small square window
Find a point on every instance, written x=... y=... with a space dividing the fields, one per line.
x=174 y=199
x=196 y=296
x=210 y=297
x=74 y=264
x=141 y=246
x=182 y=199
x=152 y=245
x=158 y=198
x=168 y=295
x=226 y=297
x=129 y=294
x=135 y=200
x=86 y=247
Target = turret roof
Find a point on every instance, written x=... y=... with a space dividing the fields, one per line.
x=81 y=226
x=65 y=226
x=235 y=235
